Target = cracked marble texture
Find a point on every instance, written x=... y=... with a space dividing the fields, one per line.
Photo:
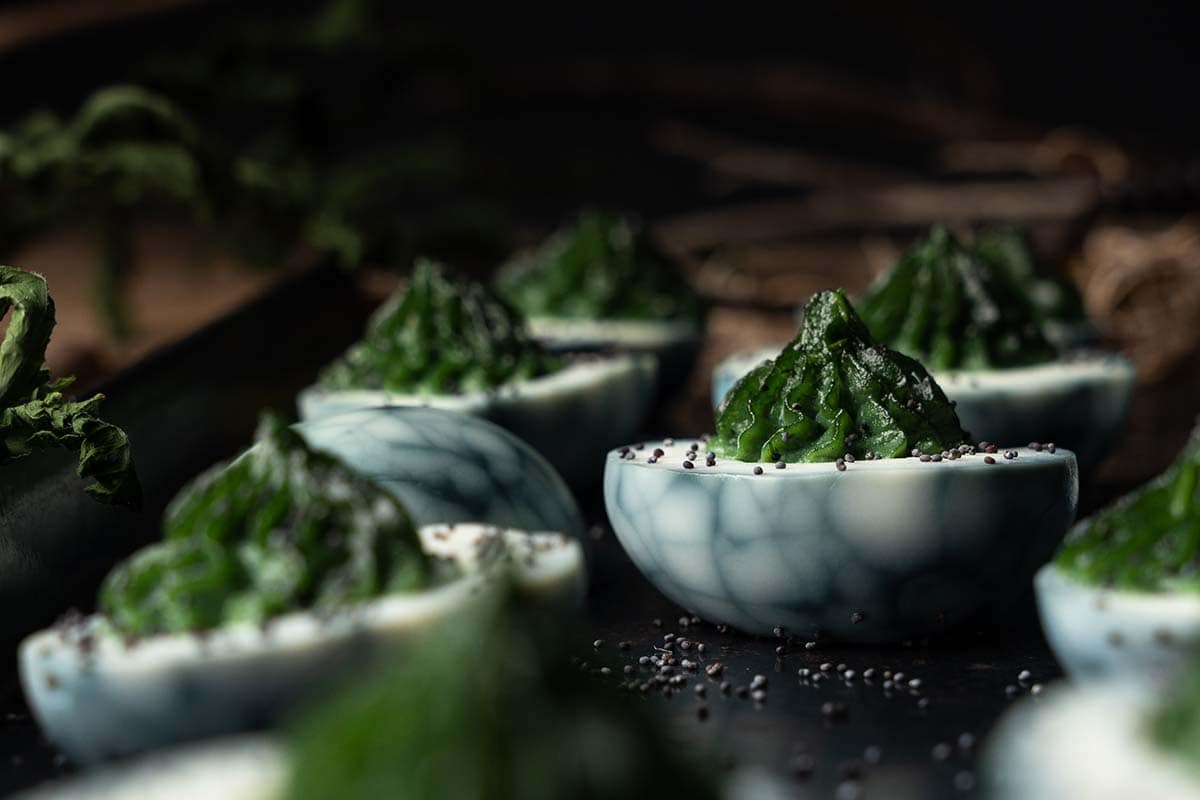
x=884 y=551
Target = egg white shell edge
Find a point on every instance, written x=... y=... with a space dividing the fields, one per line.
x=912 y=547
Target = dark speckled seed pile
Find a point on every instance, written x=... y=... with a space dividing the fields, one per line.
x=839 y=721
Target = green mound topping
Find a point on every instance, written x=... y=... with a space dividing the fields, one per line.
x=1056 y=302
x=953 y=309
x=441 y=335
x=1175 y=724
x=833 y=390
x=1148 y=540
x=487 y=709
x=603 y=267
x=279 y=529
x=34 y=413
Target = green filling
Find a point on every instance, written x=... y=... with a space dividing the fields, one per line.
x=281 y=528
x=34 y=414
x=1055 y=301
x=603 y=267
x=486 y=709
x=953 y=309
x=832 y=391
x=440 y=336
x=1175 y=725
x=1148 y=540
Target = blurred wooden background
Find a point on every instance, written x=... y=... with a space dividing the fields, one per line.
x=774 y=157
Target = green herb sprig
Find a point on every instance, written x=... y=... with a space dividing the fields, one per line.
x=34 y=413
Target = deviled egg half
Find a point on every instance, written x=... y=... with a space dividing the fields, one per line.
x=839 y=497
x=487 y=708
x=449 y=467
x=448 y=343
x=990 y=335
x=1122 y=597
x=601 y=284
x=1110 y=740
x=277 y=574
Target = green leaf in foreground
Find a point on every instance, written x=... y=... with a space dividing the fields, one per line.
x=489 y=708
x=833 y=390
x=281 y=528
x=1148 y=540
x=34 y=414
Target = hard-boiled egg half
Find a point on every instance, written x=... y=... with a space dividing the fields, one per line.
x=1122 y=597
x=601 y=285
x=278 y=573
x=1100 y=741
x=839 y=497
x=449 y=343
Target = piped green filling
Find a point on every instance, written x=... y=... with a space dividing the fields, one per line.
x=832 y=391
x=1055 y=300
x=1148 y=540
x=953 y=309
x=441 y=335
x=603 y=267
x=281 y=528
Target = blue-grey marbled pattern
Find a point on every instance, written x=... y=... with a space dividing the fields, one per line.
x=571 y=417
x=914 y=548
x=1100 y=634
x=449 y=467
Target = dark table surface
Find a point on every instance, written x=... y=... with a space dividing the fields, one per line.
x=818 y=734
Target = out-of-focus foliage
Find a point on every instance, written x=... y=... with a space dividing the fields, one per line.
x=276 y=134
